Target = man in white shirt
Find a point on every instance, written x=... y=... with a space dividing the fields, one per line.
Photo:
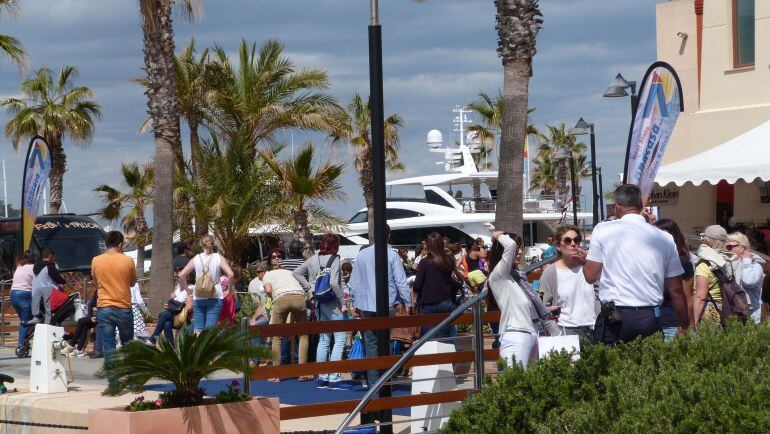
x=633 y=261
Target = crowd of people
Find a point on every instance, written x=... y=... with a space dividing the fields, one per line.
x=637 y=277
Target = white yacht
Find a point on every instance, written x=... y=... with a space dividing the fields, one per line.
x=445 y=203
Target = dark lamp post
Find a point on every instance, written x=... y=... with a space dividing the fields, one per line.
x=617 y=89
x=581 y=128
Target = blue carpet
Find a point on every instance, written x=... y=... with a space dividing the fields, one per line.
x=294 y=392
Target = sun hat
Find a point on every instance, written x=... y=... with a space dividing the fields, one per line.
x=715 y=232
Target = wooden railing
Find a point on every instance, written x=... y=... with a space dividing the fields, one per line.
x=370 y=363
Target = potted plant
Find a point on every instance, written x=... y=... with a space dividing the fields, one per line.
x=185 y=408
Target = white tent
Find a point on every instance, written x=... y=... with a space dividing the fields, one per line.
x=745 y=157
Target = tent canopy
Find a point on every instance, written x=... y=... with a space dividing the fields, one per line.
x=744 y=157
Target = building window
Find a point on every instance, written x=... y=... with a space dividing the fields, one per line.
x=743 y=33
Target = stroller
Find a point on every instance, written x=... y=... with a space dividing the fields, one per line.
x=58 y=315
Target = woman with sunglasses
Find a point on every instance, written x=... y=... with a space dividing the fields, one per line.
x=748 y=271
x=564 y=285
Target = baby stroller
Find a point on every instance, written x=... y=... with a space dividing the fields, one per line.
x=59 y=314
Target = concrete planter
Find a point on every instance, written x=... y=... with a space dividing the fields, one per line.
x=259 y=415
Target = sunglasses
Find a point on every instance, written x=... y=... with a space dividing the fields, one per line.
x=567 y=240
x=276 y=257
x=731 y=246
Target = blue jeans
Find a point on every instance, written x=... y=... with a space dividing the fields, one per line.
x=107 y=319
x=165 y=325
x=206 y=312
x=259 y=340
x=445 y=306
x=330 y=312
x=21 y=301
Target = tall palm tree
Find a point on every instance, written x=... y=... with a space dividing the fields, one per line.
x=518 y=23
x=11 y=47
x=235 y=194
x=353 y=128
x=134 y=201
x=305 y=186
x=192 y=91
x=163 y=107
x=265 y=93
x=53 y=109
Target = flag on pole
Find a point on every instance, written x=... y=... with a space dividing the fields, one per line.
x=564 y=210
x=37 y=167
x=660 y=102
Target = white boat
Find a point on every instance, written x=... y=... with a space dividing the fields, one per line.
x=440 y=204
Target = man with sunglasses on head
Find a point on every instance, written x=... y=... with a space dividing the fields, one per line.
x=633 y=261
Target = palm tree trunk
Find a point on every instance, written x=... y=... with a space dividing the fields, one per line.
x=139 y=261
x=201 y=227
x=183 y=208
x=164 y=109
x=58 y=167
x=368 y=189
x=509 y=214
x=476 y=194
x=301 y=231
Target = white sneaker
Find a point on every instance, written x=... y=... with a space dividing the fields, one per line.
x=79 y=353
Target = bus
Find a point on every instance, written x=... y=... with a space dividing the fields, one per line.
x=74 y=238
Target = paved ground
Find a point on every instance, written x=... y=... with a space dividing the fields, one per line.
x=71 y=408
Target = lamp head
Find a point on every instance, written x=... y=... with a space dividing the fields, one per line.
x=581 y=128
x=618 y=87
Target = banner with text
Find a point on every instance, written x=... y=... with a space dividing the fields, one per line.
x=37 y=167
x=660 y=102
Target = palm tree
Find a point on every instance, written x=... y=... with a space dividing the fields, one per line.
x=554 y=144
x=353 y=127
x=185 y=363
x=544 y=176
x=163 y=107
x=490 y=110
x=518 y=23
x=11 y=47
x=192 y=91
x=265 y=94
x=136 y=200
x=235 y=194
x=305 y=186
x=53 y=110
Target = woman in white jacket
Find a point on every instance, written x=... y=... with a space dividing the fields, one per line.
x=518 y=342
x=748 y=271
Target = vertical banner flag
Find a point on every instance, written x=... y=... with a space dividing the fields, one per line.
x=37 y=167
x=660 y=102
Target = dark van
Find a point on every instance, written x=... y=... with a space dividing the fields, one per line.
x=75 y=239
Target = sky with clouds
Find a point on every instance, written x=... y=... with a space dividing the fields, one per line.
x=436 y=54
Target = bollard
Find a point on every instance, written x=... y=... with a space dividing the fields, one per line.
x=247 y=371
x=478 y=346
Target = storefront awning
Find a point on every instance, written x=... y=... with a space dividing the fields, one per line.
x=745 y=157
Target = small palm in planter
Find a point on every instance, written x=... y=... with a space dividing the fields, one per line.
x=184 y=364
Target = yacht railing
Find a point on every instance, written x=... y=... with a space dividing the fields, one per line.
x=532 y=204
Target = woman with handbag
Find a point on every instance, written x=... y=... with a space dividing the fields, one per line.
x=329 y=307
x=208 y=293
x=175 y=306
x=436 y=283
x=518 y=342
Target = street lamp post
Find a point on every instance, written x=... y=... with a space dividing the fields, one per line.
x=378 y=178
x=617 y=89
x=601 y=192
x=583 y=127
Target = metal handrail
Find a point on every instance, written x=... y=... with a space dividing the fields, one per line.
x=478 y=333
x=409 y=353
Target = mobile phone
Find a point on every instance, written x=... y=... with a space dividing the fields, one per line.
x=556 y=311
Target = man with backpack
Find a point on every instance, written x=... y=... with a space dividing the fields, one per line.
x=323 y=270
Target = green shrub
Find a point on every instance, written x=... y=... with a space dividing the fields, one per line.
x=713 y=382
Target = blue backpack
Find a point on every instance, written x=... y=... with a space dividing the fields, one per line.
x=322 y=291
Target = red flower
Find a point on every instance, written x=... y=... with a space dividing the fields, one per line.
x=158 y=403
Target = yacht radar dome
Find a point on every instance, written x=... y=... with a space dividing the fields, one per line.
x=435 y=139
